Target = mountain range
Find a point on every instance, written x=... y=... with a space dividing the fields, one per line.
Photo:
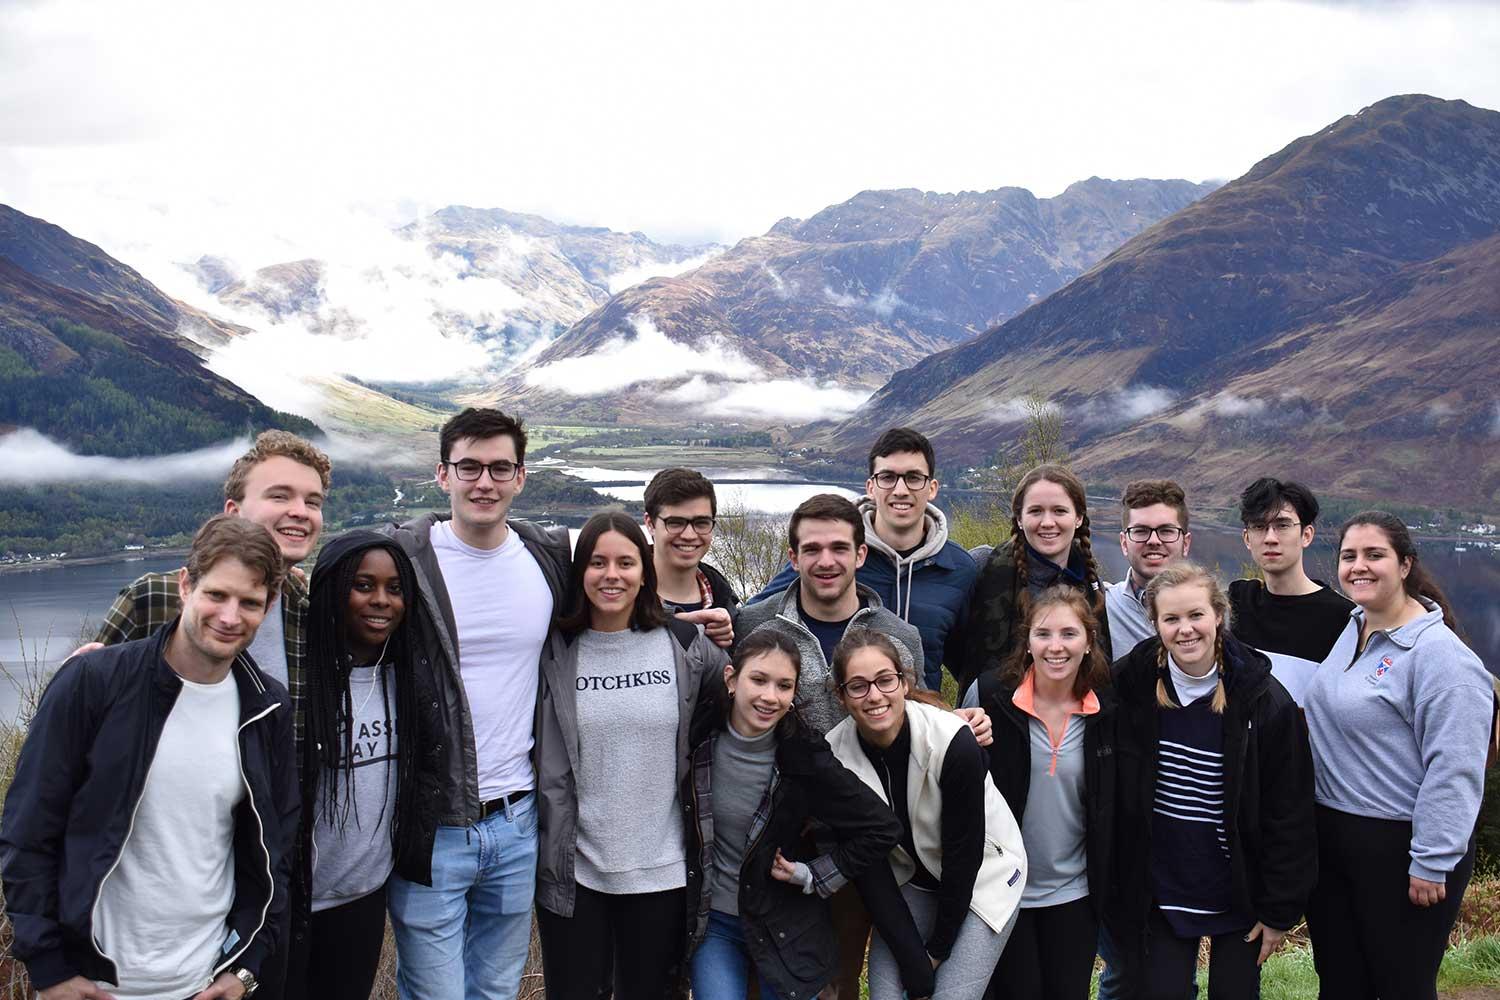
x=1331 y=315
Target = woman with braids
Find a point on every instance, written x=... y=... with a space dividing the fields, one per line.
x=1400 y=716
x=757 y=884
x=960 y=863
x=619 y=683
x=1049 y=544
x=1214 y=809
x=359 y=778
x=1053 y=759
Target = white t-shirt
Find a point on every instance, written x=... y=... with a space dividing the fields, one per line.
x=502 y=606
x=161 y=913
x=268 y=648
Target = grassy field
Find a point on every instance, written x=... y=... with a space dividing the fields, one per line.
x=661 y=456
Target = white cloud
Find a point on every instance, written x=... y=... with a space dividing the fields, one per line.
x=1014 y=409
x=883 y=303
x=648 y=356
x=27 y=457
x=622 y=280
x=793 y=400
x=783 y=289
x=1228 y=404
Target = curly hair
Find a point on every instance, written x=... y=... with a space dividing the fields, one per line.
x=270 y=444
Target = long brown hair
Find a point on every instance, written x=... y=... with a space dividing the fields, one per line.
x=1073 y=486
x=1093 y=672
x=858 y=638
x=1184 y=574
x=1418 y=584
x=647 y=613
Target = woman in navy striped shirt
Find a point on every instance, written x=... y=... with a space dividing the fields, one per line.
x=1215 y=806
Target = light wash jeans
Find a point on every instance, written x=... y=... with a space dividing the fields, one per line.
x=721 y=964
x=465 y=936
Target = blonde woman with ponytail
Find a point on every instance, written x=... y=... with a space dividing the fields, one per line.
x=1214 y=800
x=1050 y=543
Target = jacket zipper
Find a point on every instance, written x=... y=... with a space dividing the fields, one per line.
x=99 y=893
x=261 y=827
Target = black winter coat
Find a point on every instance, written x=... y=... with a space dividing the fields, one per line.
x=1268 y=793
x=81 y=774
x=788 y=934
x=1010 y=769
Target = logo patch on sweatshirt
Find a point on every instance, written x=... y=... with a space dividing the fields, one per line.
x=1385 y=665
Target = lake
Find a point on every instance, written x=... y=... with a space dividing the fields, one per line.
x=46 y=609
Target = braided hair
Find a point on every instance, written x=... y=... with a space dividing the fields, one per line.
x=328 y=741
x=1059 y=475
x=1183 y=574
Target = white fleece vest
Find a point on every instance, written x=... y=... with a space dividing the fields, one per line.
x=1002 y=873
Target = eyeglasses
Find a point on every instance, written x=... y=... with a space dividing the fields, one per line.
x=1281 y=526
x=886 y=479
x=1165 y=533
x=859 y=687
x=677 y=525
x=469 y=470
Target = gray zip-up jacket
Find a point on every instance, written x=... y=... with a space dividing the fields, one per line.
x=694 y=657
x=816 y=700
x=451 y=764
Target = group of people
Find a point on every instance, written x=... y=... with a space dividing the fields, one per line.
x=461 y=720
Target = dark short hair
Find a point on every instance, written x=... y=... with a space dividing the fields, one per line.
x=862 y=637
x=480 y=423
x=899 y=439
x=1148 y=493
x=225 y=536
x=674 y=486
x=1264 y=498
x=826 y=507
x=271 y=444
x=648 y=612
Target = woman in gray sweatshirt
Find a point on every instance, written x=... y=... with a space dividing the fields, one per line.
x=1400 y=717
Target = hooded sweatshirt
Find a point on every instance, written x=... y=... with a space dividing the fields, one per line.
x=928 y=587
x=1400 y=731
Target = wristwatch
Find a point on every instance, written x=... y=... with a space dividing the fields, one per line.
x=246 y=977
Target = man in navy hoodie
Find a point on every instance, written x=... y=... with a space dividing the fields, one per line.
x=919 y=574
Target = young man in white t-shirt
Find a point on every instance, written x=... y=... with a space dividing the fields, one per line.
x=148 y=831
x=462 y=911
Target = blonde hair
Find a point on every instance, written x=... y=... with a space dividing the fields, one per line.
x=270 y=444
x=1187 y=574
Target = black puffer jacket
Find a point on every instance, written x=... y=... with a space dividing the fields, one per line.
x=1268 y=793
x=788 y=934
x=1010 y=769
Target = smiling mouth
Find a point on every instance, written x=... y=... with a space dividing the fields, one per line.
x=298 y=533
x=376 y=622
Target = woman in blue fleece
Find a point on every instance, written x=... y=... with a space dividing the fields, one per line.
x=1400 y=718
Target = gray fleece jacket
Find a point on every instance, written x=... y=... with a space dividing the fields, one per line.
x=816 y=700
x=1400 y=731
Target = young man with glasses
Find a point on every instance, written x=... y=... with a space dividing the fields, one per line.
x=1289 y=616
x=461 y=909
x=1154 y=534
x=920 y=575
x=680 y=514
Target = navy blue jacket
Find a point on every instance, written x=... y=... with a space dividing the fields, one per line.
x=931 y=592
x=80 y=776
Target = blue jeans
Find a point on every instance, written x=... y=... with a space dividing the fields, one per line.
x=1112 y=980
x=721 y=965
x=465 y=936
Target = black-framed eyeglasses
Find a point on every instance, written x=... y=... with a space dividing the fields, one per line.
x=1166 y=533
x=1281 y=526
x=859 y=687
x=886 y=479
x=468 y=470
x=677 y=525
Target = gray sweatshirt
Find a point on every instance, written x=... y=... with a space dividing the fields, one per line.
x=741 y=774
x=1400 y=731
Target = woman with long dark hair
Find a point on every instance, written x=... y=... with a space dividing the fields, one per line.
x=757 y=884
x=1053 y=759
x=1214 y=811
x=1050 y=543
x=359 y=769
x=960 y=864
x=618 y=687
x=1400 y=716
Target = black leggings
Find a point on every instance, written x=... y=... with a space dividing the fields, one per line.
x=641 y=933
x=343 y=952
x=1050 y=954
x=1368 y=939
x=1171 y=967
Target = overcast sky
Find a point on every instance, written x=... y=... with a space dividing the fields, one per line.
x=169 y=129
